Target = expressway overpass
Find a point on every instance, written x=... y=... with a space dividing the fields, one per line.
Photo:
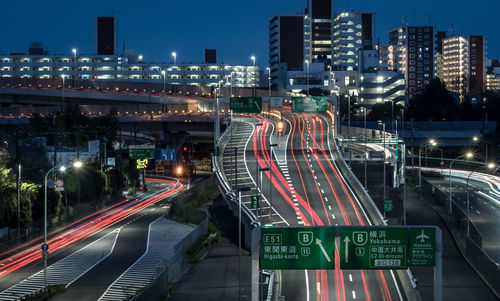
x=308 y=185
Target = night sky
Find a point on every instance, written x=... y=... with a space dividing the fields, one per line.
x=238 y=29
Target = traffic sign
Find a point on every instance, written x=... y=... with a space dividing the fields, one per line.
x=276 y=102
x=373 y=248
x=59 y=183
x=51 y=183
x=422 y=246
x=160 y=169
x=388 y=205
x=45 y=247
x=144 y=152
x=309 y=104
x=216 y=151
x=246 y=104
x=255 y=201
x=297 y=248
x=142 y=163
x=165 y=154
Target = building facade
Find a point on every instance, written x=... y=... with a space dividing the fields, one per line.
x=106 y=36
x=124 y=68
x=413 y=55
x=477 y=71
x=352 y=31
x=454 y=72
x=286 y=47
x=381 y=86
x=320 y=15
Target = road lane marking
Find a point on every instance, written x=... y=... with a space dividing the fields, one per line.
x=322 y=191
x=329 y=207
x=353 y=294
x=350 y=277
x=333 y=216
x=319 y=184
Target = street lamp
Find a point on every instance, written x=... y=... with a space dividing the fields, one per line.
x=269 y=80
x=260 y=189
x=240 y=190
x=270 y=184
x=76 y=164
x=63 y=78
x=431 y=142
x=468 y=156
x=307 y=76
x=477 y=139
x=253 y=60
x=74 y=66
x=174 y=54
x=366 y=152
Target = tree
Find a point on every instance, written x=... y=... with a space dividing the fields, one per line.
x=384 y=111
x=344 y=105
x=434 y=103
x=315 y=91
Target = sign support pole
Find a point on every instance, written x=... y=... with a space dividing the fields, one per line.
x=256 y=282
x=438 y=269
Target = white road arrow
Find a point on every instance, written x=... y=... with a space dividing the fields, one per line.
x=346 y=240
x=318 y=242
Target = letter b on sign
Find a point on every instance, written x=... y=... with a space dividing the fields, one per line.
x=305 y=238
x=359 y=237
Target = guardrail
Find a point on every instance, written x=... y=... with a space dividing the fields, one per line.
x=472 y=251
x=229 y=195
x=408 y=282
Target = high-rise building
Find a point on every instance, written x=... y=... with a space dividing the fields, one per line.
x=413 y=51
x=319 y=32
x=455 y=65
x=210 y=56
x=493 y=76
x=352 y=31
x=477 y=56
x=106 y=35
x=286 y=47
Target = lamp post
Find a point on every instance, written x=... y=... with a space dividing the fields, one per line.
x=74 y=67
x=240 y=190
x=307 y=77
x=257 y=126
x=19 y=203
x=366 y=154
x=271 y=184
x=164 y=74
x=174 y=55
x=76 y=164
x=468 y=156
x=253 y=73
x=63 y=78
x=477 y=139
x=260 y=189
x=269 y=80
x=430 y=142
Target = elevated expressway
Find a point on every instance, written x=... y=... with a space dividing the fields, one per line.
x=309 y=185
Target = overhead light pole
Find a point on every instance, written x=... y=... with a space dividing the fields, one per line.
x=253 y=73
x=174 y=55
x=19 y=202
x=430 y=142
x=468 y=156
x=74 y=67
x=307 y=77
x=271 y=184
x=76 y=164
x=269 y=81
x=261 y=187
x=366 y=153
x=240 y=190
x=164 y=74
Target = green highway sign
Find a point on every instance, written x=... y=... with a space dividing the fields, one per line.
x=309 y=104
x=388 y=205
x=297 y=248
x=422 y=246
x=373 y=248
x=216 y=151
x=142 y=153
x=245 y=104
x=255 y=202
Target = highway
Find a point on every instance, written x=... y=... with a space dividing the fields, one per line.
x=309 y=190
x=71 y=243
x=484 y=208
